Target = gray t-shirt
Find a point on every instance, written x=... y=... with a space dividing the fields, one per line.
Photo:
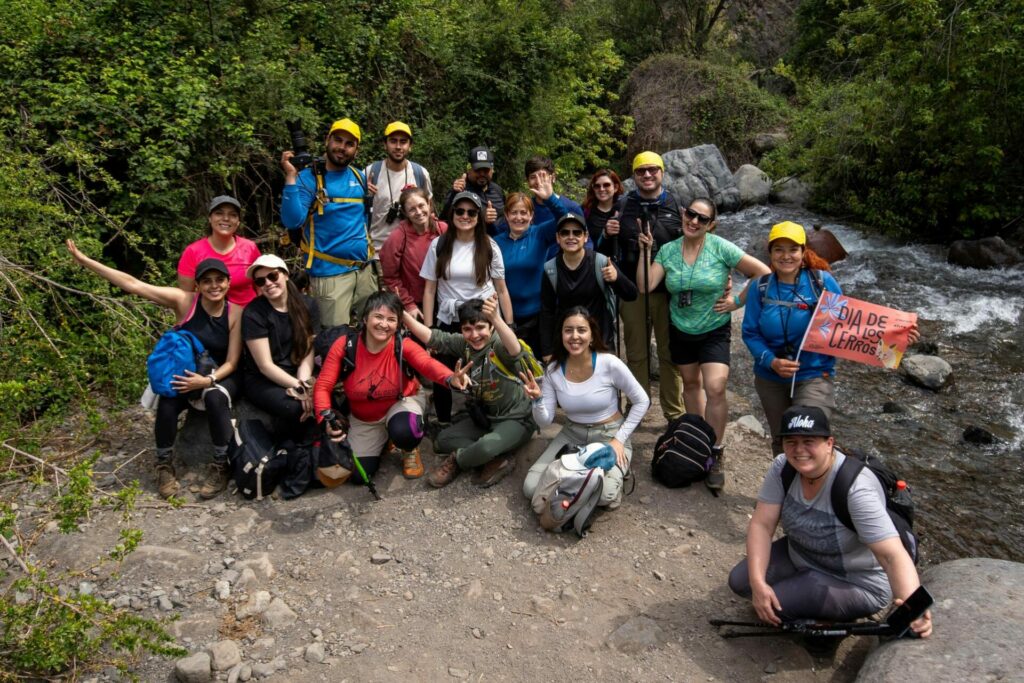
x=818 y=540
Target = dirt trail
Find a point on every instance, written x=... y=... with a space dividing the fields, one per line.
x=454 y=583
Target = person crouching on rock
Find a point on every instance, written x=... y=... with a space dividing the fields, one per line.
x=584 y=380
x=207 y=314
x=498 y=420
x=382 y=392
x=820 y=569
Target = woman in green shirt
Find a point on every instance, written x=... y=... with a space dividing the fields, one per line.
x=696 y=270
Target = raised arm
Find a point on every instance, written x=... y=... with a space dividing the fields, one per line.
x=418 y=329
x=169 y=297
x=508 y=338
x=503 y=297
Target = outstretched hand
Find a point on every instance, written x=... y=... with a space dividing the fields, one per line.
x=530 y=386
x=75 y=253
x=460 y=380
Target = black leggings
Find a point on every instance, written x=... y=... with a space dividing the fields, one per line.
x=442 y=394
x=218 y=413
x=284 y=410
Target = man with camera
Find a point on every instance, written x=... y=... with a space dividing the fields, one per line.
x=386 y=178
x=478 y=179
x=652 y=209
x=324 y=208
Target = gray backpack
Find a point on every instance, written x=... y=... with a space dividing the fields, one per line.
x=568 y=492
x=600 y=261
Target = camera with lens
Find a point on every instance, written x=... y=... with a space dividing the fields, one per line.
x=302 y=157
x=685 y=298
x=788 y=353
x=394 y=212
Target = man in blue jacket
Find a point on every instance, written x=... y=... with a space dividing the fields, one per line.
x=323 y=206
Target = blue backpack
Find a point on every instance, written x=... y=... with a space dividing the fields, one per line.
x=175 y=352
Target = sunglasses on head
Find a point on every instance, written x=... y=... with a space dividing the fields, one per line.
x=647 y=170
x=472 y=213
x=272 y=276
x=571 y=232
x=699 y=217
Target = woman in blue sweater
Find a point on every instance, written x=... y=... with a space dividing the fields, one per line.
x=524 y=248
x=779 y=308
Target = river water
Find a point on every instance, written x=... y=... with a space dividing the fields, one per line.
x=968 y=496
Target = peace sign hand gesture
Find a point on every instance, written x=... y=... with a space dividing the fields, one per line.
x=530 y=386
x=460 y=380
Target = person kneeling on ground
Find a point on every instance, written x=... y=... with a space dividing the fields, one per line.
x=383 y=395
x=820 y=569
x=585 y=381
x=499 y=419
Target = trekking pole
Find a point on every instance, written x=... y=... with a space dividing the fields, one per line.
x=618 y=324
x=331 y=418
x=645 y=225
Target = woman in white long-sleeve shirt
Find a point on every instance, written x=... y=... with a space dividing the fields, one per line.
x=585 y=380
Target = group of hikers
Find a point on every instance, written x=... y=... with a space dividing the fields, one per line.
x=464 y=299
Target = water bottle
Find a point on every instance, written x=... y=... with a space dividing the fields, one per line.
x=902 y=495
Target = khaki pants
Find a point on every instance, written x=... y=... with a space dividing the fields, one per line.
x=340 y=296
x=817 y=391
x=638 y=346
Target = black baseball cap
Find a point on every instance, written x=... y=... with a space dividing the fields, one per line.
x=208 y=264
x=571 y=218
x=805 y=421
x=481 y=157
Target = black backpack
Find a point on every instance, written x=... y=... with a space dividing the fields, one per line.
x=682 y=455
x=259 y=466
x=898 y=502
x=817 y=286
x=325 y=339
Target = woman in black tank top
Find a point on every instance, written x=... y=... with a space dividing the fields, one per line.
x=207 y=314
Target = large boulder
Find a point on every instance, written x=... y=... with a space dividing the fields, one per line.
x=930 y=372
x=700 y=172
x=766 y=142
x=791 y=191
x=754 y=185
x=825 y=244
x=977 y=628
x=988 y=252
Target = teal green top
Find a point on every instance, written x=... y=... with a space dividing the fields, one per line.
x=706 y=278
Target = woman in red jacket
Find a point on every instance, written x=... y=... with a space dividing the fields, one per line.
x=403 y=253
x=381 y=390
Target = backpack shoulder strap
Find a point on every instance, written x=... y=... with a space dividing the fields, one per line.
x=551 y=270
x=600 y=261
x=418 y=175
x=788 y=476
x=348 y=363
x=817 y=286
x=762 y=286
x=847 y=474
x=375 y=171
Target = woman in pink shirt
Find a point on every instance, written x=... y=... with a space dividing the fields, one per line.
x=403 y=253
x=222 y=243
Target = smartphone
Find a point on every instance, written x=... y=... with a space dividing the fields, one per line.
x=912 y=608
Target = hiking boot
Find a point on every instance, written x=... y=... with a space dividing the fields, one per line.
x=412 y=466
x=445 y=473
x=166 y=481
x=216 y=480
x=494 y=471
x=716 y=473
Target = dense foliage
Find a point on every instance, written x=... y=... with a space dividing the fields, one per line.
x=123 y=118
x=910 y=113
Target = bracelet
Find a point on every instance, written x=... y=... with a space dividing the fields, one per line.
x=213 y=379
x=736 y=300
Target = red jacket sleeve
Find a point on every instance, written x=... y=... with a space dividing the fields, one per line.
x=424 y=363
x=391 y=266
x=328 y=377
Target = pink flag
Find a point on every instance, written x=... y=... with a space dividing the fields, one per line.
x=856 y=330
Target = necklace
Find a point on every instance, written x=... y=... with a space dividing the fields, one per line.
x=814 y=480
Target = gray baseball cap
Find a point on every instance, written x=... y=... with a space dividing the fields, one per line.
x=222 y=199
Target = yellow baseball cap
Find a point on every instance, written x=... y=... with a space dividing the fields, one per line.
x=648 y=159
x=397 y=127
x=788 y=230
x=347 y=125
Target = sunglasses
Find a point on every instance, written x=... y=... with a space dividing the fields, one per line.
x=272 y=276
x=571 y=233
x=699 y=217
x=472 y=213
x=603 y=186
x=649 y=170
